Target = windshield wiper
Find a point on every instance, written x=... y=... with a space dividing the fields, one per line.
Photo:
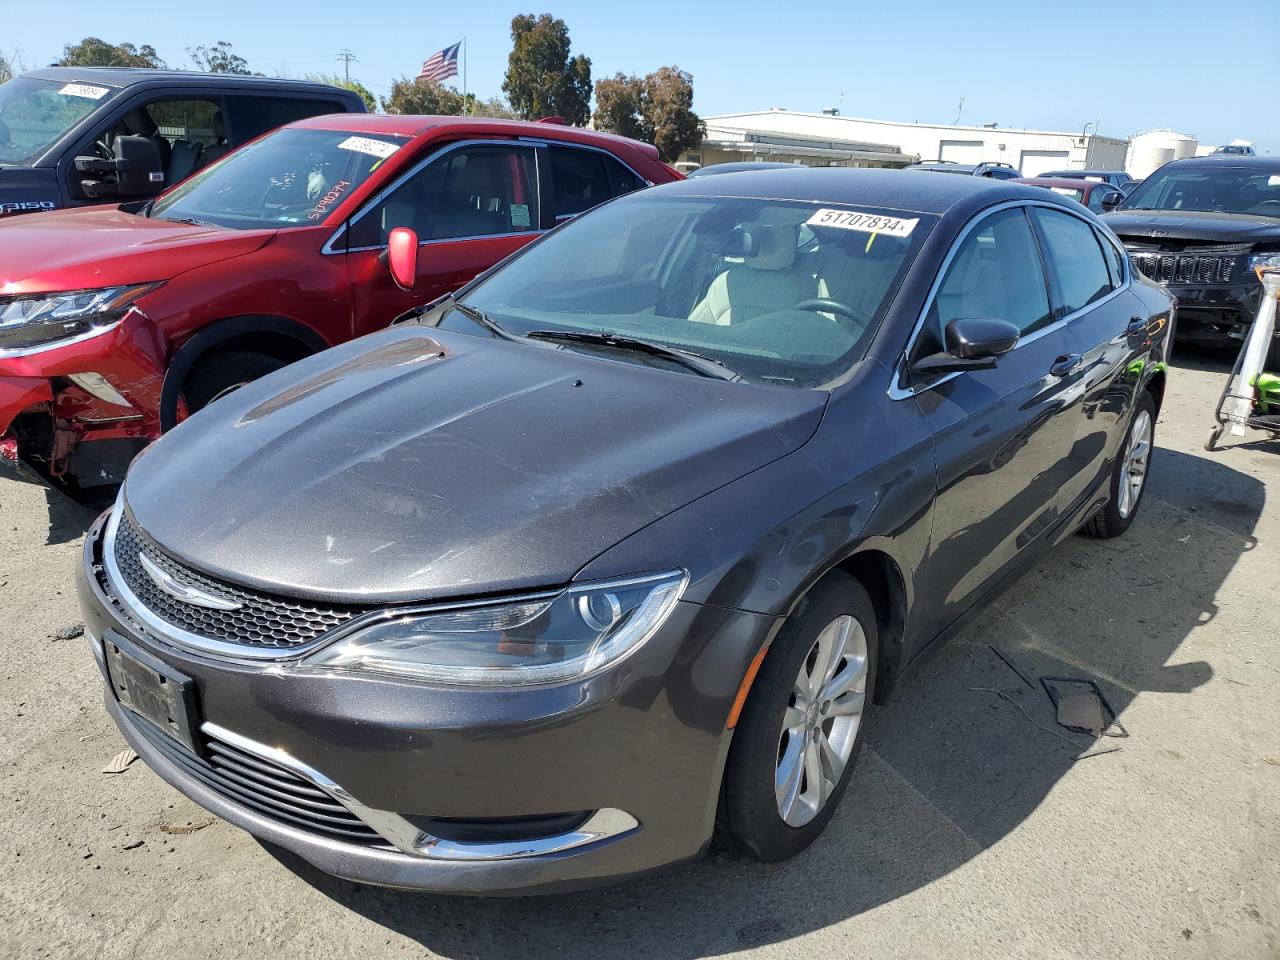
x=191 y=220
x=686 y=358
x=480 y=317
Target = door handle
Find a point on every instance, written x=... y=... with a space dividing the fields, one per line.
x=1066 y=365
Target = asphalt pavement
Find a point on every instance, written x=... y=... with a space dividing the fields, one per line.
x=970 y=828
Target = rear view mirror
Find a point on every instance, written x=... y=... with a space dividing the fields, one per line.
x=134 y=173
x=402 y=257
x=973 y=343
x=1110 y=200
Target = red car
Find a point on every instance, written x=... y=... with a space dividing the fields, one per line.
x=1098 y=196
x=118 y=321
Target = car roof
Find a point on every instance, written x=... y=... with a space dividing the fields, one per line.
x=1227 y=161
x=1077 y=174
x=1068 y=183
x=121 y=77
x=413 y=125
x=888 y=189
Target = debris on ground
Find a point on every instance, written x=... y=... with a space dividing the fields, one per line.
x=1081 y=706
x=131 y=844
x=70 y=632
x=1012 y=666
x=120 y=762
x=189 y=827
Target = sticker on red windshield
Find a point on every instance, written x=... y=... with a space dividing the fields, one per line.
x=862 y=222
x=86 y=90
x=374 y=148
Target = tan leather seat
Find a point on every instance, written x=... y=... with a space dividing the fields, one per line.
x=766 y=281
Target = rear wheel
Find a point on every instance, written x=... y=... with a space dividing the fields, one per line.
x=220 y=374
x=1129 y=474
x=802 y=727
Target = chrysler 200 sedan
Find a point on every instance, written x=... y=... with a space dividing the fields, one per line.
x=609 y=551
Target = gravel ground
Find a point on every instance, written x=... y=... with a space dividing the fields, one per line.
x=968 y=829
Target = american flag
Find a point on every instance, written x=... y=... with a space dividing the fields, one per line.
x=441 y=65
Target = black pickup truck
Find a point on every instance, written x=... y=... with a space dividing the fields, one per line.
x=1198 y=227
x=78 y=135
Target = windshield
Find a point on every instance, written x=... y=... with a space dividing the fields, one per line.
x=1210 y=189
x=34 y=114
x=288 y=178
x=777 y=291
x=1076 y=195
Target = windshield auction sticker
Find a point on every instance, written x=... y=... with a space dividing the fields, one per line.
x=86 y=90
x=862 y=222
x=374 y=148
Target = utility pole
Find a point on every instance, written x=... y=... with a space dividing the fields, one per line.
x=347 y=58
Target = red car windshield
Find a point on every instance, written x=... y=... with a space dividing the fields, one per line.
x=289 y=178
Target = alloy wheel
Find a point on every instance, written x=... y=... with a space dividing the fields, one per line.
x=821 y=721
x=1133 y=465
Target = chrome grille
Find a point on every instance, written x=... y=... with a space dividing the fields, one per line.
x=1186 y=267
x=262 y=620
x=265 y=787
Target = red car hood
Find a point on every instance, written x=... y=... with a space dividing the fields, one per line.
x=104 y=247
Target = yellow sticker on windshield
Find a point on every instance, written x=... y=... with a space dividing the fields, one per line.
x=862 y=222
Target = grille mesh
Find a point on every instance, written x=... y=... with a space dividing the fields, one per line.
x=1186 y=267
x=264 y=787
x=263 y=620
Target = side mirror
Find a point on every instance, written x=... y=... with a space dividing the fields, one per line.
x=1110 y=200
x=402 y=257
x=135 y=172
x=973 y=343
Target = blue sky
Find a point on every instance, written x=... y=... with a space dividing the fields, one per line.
x=1201 y=68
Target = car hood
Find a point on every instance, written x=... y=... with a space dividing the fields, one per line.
x=1189 y=225
x=104 y=247
x=416 y=464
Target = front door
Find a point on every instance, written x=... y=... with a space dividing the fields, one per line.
x=470 y=205
x=1003 y=437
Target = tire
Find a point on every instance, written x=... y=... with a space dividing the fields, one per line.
x=219 y=374
x=1118 y=514
x=751 y=818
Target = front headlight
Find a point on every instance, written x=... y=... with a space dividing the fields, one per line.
x=46 y=318
x=529 y=640
x=1261 y=263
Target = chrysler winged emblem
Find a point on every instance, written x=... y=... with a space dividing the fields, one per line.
x=184 y=592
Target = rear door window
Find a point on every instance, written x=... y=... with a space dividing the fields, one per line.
x=1083 y=275
x=254 y=116
x=584 y=178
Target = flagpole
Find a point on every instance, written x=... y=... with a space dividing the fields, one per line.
x=464 y=76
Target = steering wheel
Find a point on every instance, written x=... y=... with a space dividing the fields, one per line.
x=843 y=312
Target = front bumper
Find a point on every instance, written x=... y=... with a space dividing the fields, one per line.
x=642 y=744
x=1216 y=314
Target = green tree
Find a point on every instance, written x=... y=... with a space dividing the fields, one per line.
x=657 y=108
x=219 y=58
x=355 y=86
x=8 y=68
x=92 y=52
x=425 y=97
x=422 y=96
x=542 y=80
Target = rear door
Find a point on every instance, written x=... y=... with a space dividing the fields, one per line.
x=470 y=204
x=1003 y=436
x=1105 y=328
x=583 y=177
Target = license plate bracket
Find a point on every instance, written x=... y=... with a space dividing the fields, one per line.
x=152 y=690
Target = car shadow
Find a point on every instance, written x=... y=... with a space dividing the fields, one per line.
x=70 y=519
x=950 y=767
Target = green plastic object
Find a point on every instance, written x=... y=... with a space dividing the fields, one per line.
x=1268 y=387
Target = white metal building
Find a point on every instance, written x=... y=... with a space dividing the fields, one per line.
x=1031 y=151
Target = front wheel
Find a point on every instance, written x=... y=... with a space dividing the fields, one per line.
x=220 y=374
x=1129 y=474
x=802 y=727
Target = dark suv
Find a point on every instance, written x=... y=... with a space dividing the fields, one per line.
x=71 y=136
x=992 y=170
x=1197 y=226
